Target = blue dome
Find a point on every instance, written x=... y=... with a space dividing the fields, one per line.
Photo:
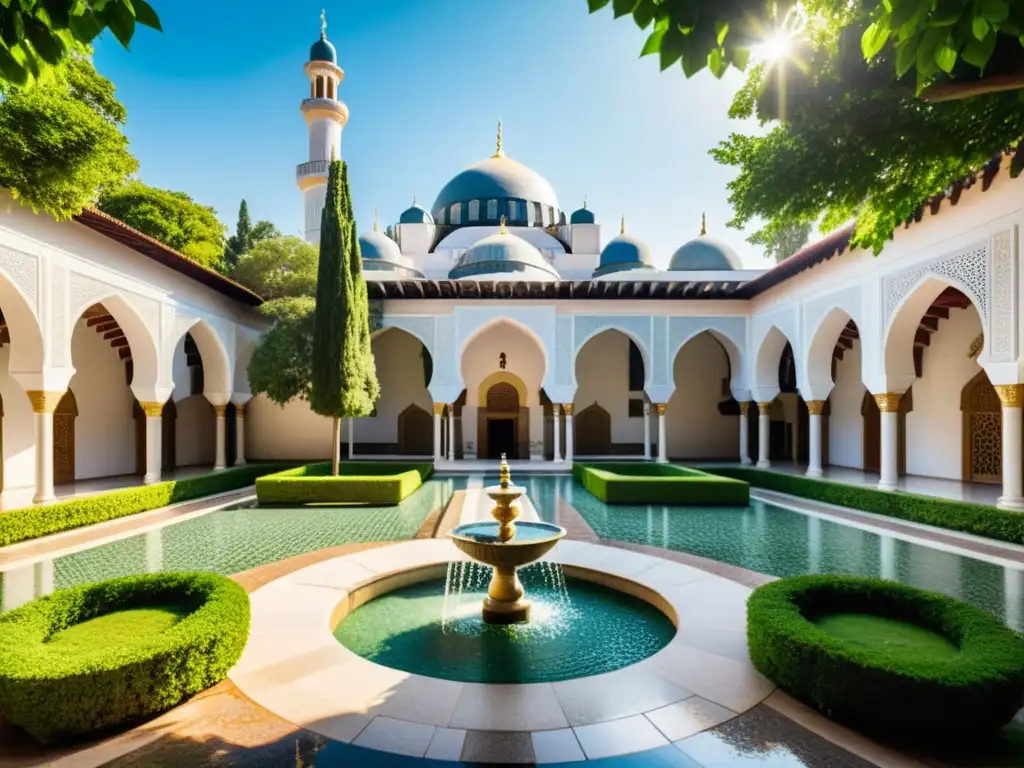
x=583 y=216
x=623 y=253
x=323 y=50
x=704 y=254
x=506 y=255
x=415 y=215
x=496 y=178
x=377 y=245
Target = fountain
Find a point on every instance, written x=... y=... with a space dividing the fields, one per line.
x=506 y=547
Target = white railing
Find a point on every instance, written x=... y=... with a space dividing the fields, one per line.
x=313 y=166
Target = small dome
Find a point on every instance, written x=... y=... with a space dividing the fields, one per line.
x=377 y=245
x=415 y=215
x=623 y=253
x=506 y=255
x=583 y=216
x=323 y=50
x=704 y=254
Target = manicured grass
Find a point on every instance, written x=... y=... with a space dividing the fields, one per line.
x=878 y=633
x=977 y=519
x=117 y=631
x=358 y=482
x=649 y=483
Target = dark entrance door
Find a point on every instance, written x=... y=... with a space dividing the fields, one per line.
x=501 y=438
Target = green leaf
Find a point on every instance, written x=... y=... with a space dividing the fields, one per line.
x=979 y=28
x=1017 y=162
x=85 y=28
x=623 y=7
x=906 y=55
x=978 y=52
x=933 y=40
x=946 y=13
x=653 y=44
x=717 y=63
x=740 y=58
x=44 y=42
x=597 y=5
x=672 y=45
x=644 y=13
x=145 y=15
x=121 y=23
x=995 y=10
x=945 y=59
x=874 y=39
x=11 y=69
x=721 y=30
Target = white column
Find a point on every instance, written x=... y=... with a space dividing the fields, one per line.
x=662 y=447
x=556 y=411
x=43 y=577
x=764 y=426
x=155 y=550
x=351 y=437
x=647 y=431
x=221 y=461
x=438 y=410
x=568 y=432
x=239 y=434
x=154 y=440
x=814 y=409
x=889 y=405
x=744 y=433
x=887 y=558
x=451 y=432
x=43 y=405
x=1013 y=482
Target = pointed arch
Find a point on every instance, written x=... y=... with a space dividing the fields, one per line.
x=143 y=345
x=218 y=372
x=817 y=380
x=611 y=327
x=26 y=335
x=769 y=355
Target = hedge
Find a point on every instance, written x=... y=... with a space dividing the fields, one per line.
x=45 y=520
x=56 y=695
x=359 y=482
x=978 y=519
x=645 y=483
x=875 y=690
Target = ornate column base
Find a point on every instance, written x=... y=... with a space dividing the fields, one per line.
x=1012 y=503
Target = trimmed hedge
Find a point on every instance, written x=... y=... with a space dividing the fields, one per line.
x=56 y=696
x=33 y=522
x=646 y=483
x=878 y=691
x=978 y=519
x=359 y=482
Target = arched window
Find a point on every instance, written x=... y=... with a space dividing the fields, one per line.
x=513 y=211
x=492 y=210
x=319 y=86
x=456 y=214
x=474 y=210
x=441 y=216
x=330 y=88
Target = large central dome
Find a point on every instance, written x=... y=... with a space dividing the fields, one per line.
x=496 y=187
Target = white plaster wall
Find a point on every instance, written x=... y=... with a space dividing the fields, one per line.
x=195 y=435
x=935 y=426
x=845 y=423
x=18 y=430
x=179 y=369
x=105 y=428
x=602 y=377
x=523 y=358
x=695 y=427
x=291 y=432
x=400 y=373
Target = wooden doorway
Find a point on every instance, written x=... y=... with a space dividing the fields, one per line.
x=500 y=428
x=593 y=431
x=415 y=432
x=64 y=439
x=982 y=449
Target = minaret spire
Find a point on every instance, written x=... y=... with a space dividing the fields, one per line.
x=376 y=226
x=499 y=152
x=584 y=200
x=622 y=226
x=323 y=23
x=703 y=224
x=504 y=231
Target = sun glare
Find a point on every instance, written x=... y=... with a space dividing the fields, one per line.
x=777 y=47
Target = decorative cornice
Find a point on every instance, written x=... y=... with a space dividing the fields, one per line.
x=325 y=109
x=44 y=401
x=1010 y=394
x=815 y=407
x=888 y=402
x=567 y=407
x=764 y=409
x=153 y=410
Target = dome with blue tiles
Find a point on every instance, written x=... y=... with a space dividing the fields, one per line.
x=381 y=254
x=624 y=253
x=704 y=254
x=583 y=215
x=503 y=256
x=415 y=215
x=322 y=49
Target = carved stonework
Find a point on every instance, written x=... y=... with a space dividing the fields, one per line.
x=220 y=410
x=44 y=402
x=637 y=327
x=58 y=311
x=815 y=407
x=659 y=408
x=567 y=407
x=153 y=410
x=764 y=409
x=968 y=268
x=986 y=446
x=1002 y=301
x=438 y=409
x=1009 y=394
x=85 y=292
x=888 y=402
x=24 y=271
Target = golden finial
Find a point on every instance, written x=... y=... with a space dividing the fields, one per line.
x=584 y=200
x=503 y=222
x=505 y=477
x=500 y=152
x=622 y=226
x=703 y=224
x=323 y=23
x=376 y=226
x=414 y=198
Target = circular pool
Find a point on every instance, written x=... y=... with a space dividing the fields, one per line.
x=578 y=628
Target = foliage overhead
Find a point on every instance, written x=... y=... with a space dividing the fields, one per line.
x=281 y=366
x=246 y=235
x=61 y=142
x=279 y=267
x=937 y=40
x=855 y=143
x=782 y=242
x=173 y=218
x=36 y=35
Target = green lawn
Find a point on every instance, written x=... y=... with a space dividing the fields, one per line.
x=116 y=631
x=872 y=633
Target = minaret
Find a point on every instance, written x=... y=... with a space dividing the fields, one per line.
x=325 y=117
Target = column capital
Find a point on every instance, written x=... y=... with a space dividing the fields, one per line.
x=438 y=409
x=220 y=410
x=764 y=409
x=1010 y=395
x=44 y=401
x=647 y=408
x=888 y=402
x=659 y=408
x=240 y=410
x=153 y=410
x=744 y=408
x=567 y=407
x=556 y=408
x=815 y=407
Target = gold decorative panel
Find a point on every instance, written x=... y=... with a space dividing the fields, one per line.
x=502 y=398
x=986 y=446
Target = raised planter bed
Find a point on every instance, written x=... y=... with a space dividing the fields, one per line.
x=647 y=483
x=359 y=482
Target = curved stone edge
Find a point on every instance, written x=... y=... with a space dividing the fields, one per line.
x=294 y=667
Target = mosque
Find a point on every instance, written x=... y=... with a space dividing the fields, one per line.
x=503 y=324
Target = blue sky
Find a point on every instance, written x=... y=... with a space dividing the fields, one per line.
x=213 y=108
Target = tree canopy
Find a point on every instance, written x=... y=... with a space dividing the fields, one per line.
x=281 y=366
x=60 y=142
x=173 y=218
x=279 y=267
x=246 y=235
x=36 y=35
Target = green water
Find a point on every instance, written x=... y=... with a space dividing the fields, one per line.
x=575 y=630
